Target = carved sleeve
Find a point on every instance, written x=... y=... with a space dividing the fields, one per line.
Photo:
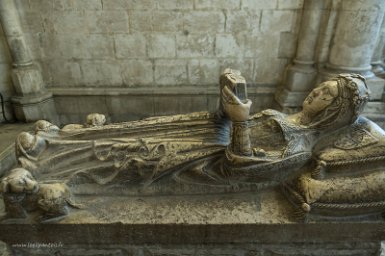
x=240 y=139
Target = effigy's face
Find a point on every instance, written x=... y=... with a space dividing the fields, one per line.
x=320 y=98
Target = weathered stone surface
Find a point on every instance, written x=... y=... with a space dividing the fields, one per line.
x=262 y=4
x=287 y=45
x=5 y=56
x=97 y=105
x=290 y=99
x=169 y=73
x=228 y=46
x=32 y=21
x=166 y=21
x=181 y=104
x=263 y=45
x=39 y=5
x=96 y=73
x=63 y=73
x=199 y=21
x=218 y=4
x=374 y=108
x=107 y=22
x=123 y=107
x=104 y=30
x=137 y=73
x=7 y=109
x=277 y=20
x=30 y=109
x=129 y=4
x=126 y=107
x=130 y=45
x=203 y=72
x=243 y=21
x=140 y=21
x=267 y=75
x=67 y=22
x=27 y=80
x=298 y=79
x=67 y=105
x=290 y=4
x=69 y=118
x=354 y=50
x=162 y=46
x=246 y=65
x=376 y=86
x=195 y=45
x=5 y=70
x=62 y=5
x=79 y=46
x=175 y=4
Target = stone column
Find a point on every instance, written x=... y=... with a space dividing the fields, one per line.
x=301 y=74
x=32 y=101
x=352 y=46
x=378 y=54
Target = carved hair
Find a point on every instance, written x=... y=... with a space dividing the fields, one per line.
x=353 y=94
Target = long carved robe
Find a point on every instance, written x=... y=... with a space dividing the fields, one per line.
x=190 y=148
x=137 y=152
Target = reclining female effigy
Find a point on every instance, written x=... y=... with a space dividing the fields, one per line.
x=327 y=158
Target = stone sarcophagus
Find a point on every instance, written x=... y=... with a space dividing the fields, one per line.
x=326 y=160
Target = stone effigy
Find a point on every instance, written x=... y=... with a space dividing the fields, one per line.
x=23 y=194
x=327 y=158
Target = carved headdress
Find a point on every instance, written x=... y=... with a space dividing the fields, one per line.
x=353 y=94
x=352 y=88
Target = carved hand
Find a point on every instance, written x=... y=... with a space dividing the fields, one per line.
x=234 y=108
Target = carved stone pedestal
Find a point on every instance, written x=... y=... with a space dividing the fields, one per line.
x=376 y=86
x=242 y=225
x=374 y=111
x=298 y=77
x=35 y=107
x=32 y=101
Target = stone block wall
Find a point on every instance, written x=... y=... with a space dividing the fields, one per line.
x=149 y=47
